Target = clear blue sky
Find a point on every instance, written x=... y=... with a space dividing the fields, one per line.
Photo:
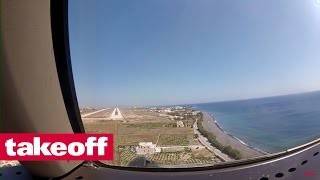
x=159 y=52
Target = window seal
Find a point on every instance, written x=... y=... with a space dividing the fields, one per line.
x=224 y=165
x=61 y=47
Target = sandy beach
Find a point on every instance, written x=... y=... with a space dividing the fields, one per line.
x=210 y=126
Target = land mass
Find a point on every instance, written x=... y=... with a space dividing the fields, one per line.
x=165 y=137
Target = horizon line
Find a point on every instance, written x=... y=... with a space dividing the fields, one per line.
x=185 y=104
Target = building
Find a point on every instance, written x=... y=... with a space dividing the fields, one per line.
x=178 y=117
x=188 y=123
x=180 y=124
x=147 y=148
x=178 y=108
x=195 y=113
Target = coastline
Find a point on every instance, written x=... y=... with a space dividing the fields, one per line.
x=225 y=138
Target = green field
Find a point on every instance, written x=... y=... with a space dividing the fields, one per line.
x=173 y=139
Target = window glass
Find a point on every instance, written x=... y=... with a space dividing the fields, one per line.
x=184 y=83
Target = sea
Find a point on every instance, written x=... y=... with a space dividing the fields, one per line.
x=271 y=124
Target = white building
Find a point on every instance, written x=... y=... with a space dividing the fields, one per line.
x=178 y=117
x=195 y=112
x=147 y=148
x=180 y=124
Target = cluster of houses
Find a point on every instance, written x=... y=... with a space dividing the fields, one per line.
x=167 y=109
x=179 y=114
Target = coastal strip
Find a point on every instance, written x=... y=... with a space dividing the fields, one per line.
x=205 y=142
x=210 y=125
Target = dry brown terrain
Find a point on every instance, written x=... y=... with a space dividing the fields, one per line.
x=140 y=125
x=85 y=111
x=103 y=114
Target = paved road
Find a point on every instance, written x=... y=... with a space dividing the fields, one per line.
x=94 y=112
x=203 y=140
x=116 y=114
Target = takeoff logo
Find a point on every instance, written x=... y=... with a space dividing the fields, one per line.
x=38 y=147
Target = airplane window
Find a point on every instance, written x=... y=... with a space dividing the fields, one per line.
x=184 y=83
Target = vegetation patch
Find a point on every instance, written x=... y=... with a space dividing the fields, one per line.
x=233 y=153
x=135 y=139
x=173 y=139
x=164 y=157
x=200 y=159
x=146 y=125
x=127 y=155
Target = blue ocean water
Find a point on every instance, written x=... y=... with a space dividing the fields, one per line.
x=271 y=124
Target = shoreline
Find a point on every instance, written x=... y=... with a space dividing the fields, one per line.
x=238 y=139
x=211 y=125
